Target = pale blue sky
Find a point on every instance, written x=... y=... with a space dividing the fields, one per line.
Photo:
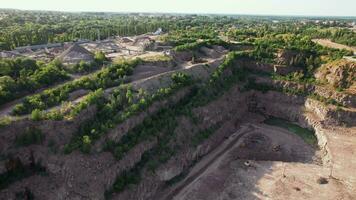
x=261 y=7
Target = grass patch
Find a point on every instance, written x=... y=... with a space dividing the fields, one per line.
x=156 y=58
x=307 y=135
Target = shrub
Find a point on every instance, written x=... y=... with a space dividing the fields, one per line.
x=90 y=99
x=29 y=137
x=180 y=78
x=4 y=121
x=86 y=144
x=110 y=76
x=36 y=115
x=19 y=109
x=100 y=57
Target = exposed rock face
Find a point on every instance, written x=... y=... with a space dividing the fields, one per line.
x=339 y=74
x=116 y=133
x=287 y=57
x=276 y=104
x=331 y=114
x=232 y=110
x=81 y=176
x=58 y=132
x=346 y=99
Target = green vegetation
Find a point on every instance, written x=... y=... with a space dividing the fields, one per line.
x=21 y=76
x=258 y=41
x=185 y=36
x=204 y=134
x=29 y=137
x=326 y=101
x=162 y=124
x=21 y=28
x=4 y=121
x=120 y=106
x=84 y=67
x=251 y=84
x=196 y=45
x=338 y=35
x=157 y=58
x=307 y=135
x=298 y=77
x=112 y=75
x=90 y=99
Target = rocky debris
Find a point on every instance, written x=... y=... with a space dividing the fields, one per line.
x=322 y=181
x=343 y=98
x=338 y=74
x=56 y=132
x=331 y=114
x=287 y=57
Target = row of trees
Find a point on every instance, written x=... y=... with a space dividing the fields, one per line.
x=109 y=76
x=21 y=76
x=30 y=28
x=260 y=30
x=122 y=104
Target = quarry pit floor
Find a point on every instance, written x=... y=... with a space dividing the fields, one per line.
x=259 y=161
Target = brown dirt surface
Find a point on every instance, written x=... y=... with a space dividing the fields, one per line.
x=229 y=172
x=330 y=44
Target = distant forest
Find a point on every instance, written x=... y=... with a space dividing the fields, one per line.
x=21 y=28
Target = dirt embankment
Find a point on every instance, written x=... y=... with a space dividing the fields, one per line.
x=330 y=44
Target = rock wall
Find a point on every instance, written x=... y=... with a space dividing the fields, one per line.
x=82 y=176
x=58 y=132
x=345 y=99
x=78 y=175
x=228 y=110
x=116 y=133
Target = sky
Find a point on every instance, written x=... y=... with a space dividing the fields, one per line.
x=258 y=7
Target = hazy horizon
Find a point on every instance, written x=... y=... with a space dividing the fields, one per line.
x=337 y=8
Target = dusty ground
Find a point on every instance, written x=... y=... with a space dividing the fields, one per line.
x=261 y=162
x=330 y=44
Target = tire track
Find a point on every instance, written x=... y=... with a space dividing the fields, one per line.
x=194 y=176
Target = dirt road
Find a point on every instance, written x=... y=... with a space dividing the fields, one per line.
x=208 y=179
x=208 y=161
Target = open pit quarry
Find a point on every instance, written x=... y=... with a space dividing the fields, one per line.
x=219 y=148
